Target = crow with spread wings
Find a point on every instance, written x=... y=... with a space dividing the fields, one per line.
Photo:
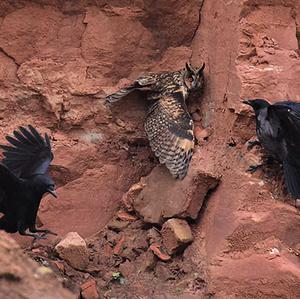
x=278 y=131
x=23 y=181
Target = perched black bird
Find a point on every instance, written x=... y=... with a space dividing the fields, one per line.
x=23 y=181
x=278 y=131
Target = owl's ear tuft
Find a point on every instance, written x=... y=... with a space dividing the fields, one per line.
x=189 y=68
x=201 y=69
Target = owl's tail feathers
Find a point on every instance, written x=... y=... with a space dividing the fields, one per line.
x=172 y=150
x=182 y=156
x=115 y=97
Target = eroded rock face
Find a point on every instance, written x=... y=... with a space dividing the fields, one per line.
x=72 y=248
x=57 y=63
x=268 y=59
x=58 y=60
x=251 y=55
x=164 y=197
x=20 y=277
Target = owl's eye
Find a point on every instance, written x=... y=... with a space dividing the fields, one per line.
x=191 y=79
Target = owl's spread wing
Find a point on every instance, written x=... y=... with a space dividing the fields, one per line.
x=142 y=83
x=169 y=128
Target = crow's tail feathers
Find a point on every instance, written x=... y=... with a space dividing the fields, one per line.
x=292 y=178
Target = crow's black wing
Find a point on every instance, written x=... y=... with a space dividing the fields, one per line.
x=287 y=112
x=28 y=153
x=289 y=115
x=9 y=183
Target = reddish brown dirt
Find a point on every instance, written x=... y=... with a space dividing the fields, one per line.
x=20 y=277
x=59 y=59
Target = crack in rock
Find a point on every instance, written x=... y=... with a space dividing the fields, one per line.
x=9 y=56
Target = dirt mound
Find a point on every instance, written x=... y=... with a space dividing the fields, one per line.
x=20 y=277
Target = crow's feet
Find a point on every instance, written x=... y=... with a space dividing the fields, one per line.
x=46 y=232
x=253 y=168
x=36 y=237
x=32 y=234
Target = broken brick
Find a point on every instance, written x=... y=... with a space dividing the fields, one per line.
x=176 y=235
x=60 y=266
x=160 y=252
x=119 y=246
x=89 y=290
x=202 y=134
x=124 y=216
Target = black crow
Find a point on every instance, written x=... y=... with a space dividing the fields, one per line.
x=23 y=181
x=278 y=131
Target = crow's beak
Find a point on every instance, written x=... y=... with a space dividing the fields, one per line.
x=52 y=192
x=247 y=102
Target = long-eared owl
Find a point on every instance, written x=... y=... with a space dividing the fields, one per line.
x=169 y=126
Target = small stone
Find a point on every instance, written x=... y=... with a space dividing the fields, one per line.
x=119 y=246
x=159 y=251
x=111 y=237
x=89 y=290
x=176 y=235
x=153 y=236
x=120 y=123
x=131 y=194
x=43 y=271
x=117 y=226
x=73 y=250
x=149 y=261
x=36 y=250
x=202 y=134
x=139 y=241
x=59 y=266
x=124 y=216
